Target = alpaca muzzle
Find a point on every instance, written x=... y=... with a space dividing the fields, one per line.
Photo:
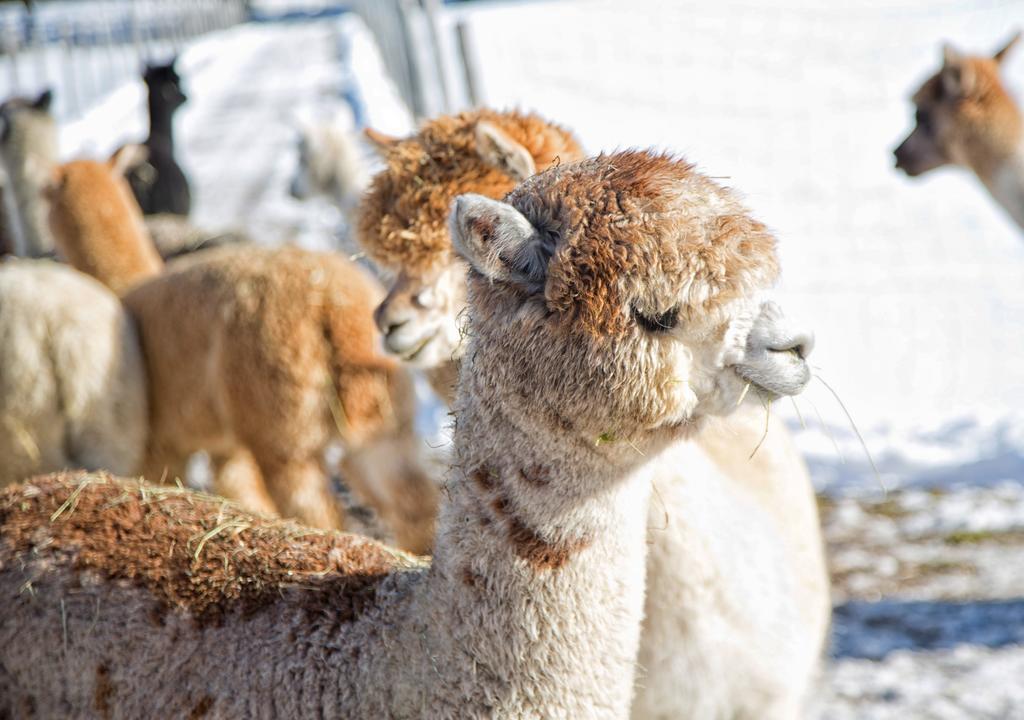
x=776 y=353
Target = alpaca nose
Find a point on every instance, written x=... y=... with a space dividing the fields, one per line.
x=899 y=154
x=774 y=331
x=800 y=342
x=387 y=323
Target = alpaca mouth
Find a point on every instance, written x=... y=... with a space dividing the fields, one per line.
x=777 y=373
x=410 y=351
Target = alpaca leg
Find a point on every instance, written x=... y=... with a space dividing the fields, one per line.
x=300 y=489
x=164 y=466
x=383 y=475
x=237 y=477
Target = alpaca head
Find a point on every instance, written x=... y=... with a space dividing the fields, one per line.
x=164 y=85
x=26 y=125
x=627 y=293
x=403 y=224
x=963 y=116
x=329 y=160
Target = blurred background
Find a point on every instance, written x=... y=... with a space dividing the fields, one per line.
x=915 y=288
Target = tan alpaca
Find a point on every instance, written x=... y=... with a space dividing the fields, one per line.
x=721 y=519
x=72 y=380
x=259 y=357
x=966 y=117
x=533 y=603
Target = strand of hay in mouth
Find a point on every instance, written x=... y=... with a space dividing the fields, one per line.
x=828 y=431
x=743 y=395
x=767 y=424
x=796 y=408
x=856 y=432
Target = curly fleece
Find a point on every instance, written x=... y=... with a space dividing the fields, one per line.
x=403 y=217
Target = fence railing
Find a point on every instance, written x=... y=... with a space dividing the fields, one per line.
x=83 y=49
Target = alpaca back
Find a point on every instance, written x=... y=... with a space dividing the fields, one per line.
x=272 y=323
x=72 y=383
x=28 y=149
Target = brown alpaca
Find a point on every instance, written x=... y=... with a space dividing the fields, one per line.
x=259 y=357
x=403 y=220
x=964 y=116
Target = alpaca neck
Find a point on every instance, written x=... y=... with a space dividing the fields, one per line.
x=538 y=570
x=115 y=248
x=1005 y=183
x=29 y=159
x=161 y=127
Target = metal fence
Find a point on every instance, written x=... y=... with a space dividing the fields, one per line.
x=425 y=55
x=84 y=49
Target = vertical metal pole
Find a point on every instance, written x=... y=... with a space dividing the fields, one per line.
x=74 y=100
x=432 y=9
x=469 y=73
x=417 y=99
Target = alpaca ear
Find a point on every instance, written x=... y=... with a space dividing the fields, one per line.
x=1001 y=54
x=499 y=242
x=380 y=142
x=44 y=100
x=127 y=157
x=497 y=149
x=957 y=75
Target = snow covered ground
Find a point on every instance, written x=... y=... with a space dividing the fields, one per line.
x=914 y=288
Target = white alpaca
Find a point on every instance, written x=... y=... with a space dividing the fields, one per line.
x=582 y=366
x=28 y=150
x=72 y=381
x=331 y=162
x=736 y=559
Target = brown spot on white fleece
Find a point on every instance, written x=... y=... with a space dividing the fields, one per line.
x=403 y=219
x=105 y=693
x=191 y=552
x=536 y=475
x=202 y=708
x=539 y=552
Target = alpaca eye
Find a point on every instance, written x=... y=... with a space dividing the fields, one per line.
x=658 y=323
x=923 y=119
